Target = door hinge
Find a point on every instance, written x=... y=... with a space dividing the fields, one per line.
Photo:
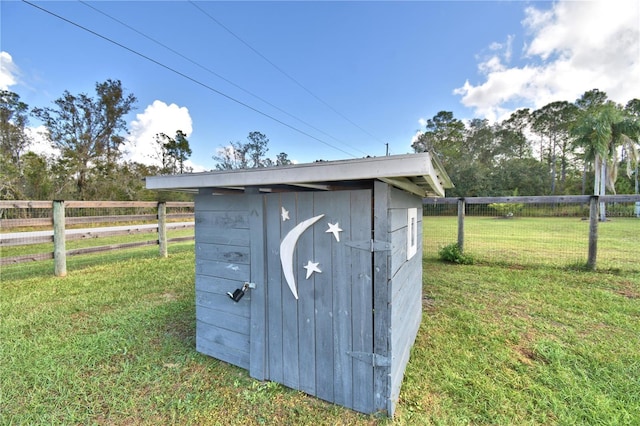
x=370 y=358
x=370 y=245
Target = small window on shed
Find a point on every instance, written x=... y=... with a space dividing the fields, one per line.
x=412 y=232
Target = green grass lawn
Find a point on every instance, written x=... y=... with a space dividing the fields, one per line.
x=546 y=241
x=114 y=343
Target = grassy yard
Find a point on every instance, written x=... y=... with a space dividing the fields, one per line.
x=538 y=241
x=113 y=343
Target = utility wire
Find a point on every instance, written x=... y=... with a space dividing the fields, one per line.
x=281 y=70
x=189 y=78
x=219 y=76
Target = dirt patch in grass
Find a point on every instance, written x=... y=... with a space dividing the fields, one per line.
x=428 y=303
x=530 y=356
x=627 y=290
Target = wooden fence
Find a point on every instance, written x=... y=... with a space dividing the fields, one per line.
x=593 y=212
x=52 y=215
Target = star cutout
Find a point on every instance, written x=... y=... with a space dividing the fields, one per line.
x=284 y=214
x=335 y=230
x=311 y=267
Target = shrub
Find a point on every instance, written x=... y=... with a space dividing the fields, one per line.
x=453 y=254
x=507 y=209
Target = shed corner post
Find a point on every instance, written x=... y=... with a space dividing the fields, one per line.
x=593 y=232
x=461 y=209
x=162 y=229
x=59 y=244
x=381 y=297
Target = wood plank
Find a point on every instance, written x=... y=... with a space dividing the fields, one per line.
x=361 y=301
x=77 y=220
x=223 y=203
x=22 y=241
x=25 y=204
x=275 y=283
x=405 y=323
x=109 y=204
x=237 y=219
x=324 y=307
x=405 y=276
x=306 y=303
x=110 y=247
x=18 y=223
x=544 y=199
x=337 y=209
x=410 y=165
x=381 y=295
x=403 y=200
x=223 y=253
x=25 y=258
x=224 y=320
x=628 y=198
x=217 y=235
x=289 y=305
x=398 y=219
x=405 y=308
x=31 y=204
x=398 y=254
x=216 y=285
x=408 y=185
x=258 y=312
x=222 y=344
x=228 y=270
x=222 y=303
x=180 y=204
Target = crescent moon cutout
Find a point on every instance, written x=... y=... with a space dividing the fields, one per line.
x=287 y=247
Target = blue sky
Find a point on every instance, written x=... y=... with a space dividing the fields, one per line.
x=379 y=68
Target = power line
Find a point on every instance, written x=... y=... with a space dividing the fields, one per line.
x=282 y=71
x=220 y=76
x=188 y=78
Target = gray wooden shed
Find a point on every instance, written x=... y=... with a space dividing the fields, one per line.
x=334 y=251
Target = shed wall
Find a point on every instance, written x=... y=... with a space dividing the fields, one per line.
x=406 y=286
x=224 y=243
x=223 y=261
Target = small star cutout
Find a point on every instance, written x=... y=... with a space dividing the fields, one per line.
x=335 y=230
x=311 y=267
x=284 y=214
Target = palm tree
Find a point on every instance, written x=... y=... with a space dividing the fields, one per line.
x=602 y=131
x=633 y=108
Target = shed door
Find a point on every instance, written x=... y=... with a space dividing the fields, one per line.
x=317 y=247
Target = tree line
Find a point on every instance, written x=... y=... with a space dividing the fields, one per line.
x=561 y=148
x=87 y=133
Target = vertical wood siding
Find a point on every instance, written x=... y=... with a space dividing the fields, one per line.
x=360 y=303
x=310 y=340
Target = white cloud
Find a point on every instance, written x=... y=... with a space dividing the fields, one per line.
x=8 y=71
x=415 y=137
x=156 y=118
x=572 y=47
x=40 y=143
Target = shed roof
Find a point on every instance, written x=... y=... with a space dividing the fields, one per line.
x=420 y=174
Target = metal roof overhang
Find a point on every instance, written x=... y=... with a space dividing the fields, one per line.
x=420 y=174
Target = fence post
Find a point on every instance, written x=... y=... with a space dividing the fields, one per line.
x=593 y=232
x=162 y=229
x=461 y=207
x=59 y=245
